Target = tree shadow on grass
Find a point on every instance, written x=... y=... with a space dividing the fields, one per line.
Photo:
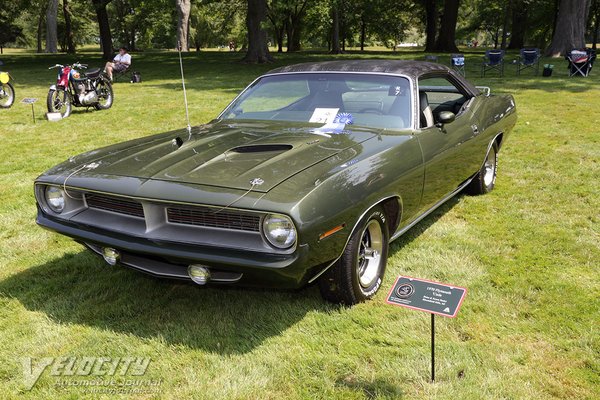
x=79 y=288
x=376 y=389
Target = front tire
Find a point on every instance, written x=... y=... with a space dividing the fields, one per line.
x=105 y=95
x=358 y=274
x=59 y=101
x=7 y=95
x=485 y=180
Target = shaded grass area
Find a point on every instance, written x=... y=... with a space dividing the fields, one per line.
x=528 y=253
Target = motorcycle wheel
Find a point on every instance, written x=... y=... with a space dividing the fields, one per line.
x=7 y=95
x=105 y=95
x=59 y=101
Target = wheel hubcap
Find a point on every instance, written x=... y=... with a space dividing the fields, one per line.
x=369 y=254
x=490 y=168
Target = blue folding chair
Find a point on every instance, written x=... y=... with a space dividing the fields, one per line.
x=493 y=60
x=457 y=61
x=431 y=58
x=528 y=58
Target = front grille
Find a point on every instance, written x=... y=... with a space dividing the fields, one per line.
x=114 y=204
x=204 y=216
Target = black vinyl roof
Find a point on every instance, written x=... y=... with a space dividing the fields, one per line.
x=412 y=69
x=405 y=67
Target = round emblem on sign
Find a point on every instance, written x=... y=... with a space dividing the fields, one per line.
x=405 y=290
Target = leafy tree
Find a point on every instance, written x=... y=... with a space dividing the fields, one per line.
x=9 y=31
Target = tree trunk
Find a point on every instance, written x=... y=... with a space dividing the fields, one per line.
x=51 y=29
x=40 y=28
x=595 y=16
x=104 y=26
x=447 y=38
x=518 y=25
x=363 y=31
x=335 y=34
x=183 y=18
x=258 y=51
x=68 y=28
x=505 y=24
x=278 y=30
x=431 y=16
x=570 y=27
x=279 y=36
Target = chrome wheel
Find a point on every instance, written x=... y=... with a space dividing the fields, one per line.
x=105 y=95
x=490 y=168
x=59 y=101
x=370 y=254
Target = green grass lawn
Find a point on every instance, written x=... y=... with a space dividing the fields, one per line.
x=528 y=253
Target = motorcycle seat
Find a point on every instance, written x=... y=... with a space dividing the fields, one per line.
x=92 y=73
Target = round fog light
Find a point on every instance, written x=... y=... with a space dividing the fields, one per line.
x=111 y=256
x=199 y=274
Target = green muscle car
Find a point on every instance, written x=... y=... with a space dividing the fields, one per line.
x=307 y=176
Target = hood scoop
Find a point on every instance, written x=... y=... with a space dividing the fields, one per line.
x=261 y=148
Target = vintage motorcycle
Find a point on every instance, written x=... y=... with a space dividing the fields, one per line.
x=7 y=91
x=73 y=88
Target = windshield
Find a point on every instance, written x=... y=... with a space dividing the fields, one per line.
x=370 y=100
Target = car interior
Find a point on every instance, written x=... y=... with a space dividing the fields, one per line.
x=437 y=95
x=373 y=101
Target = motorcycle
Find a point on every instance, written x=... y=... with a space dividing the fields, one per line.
x=7 y=91
x=76 y=89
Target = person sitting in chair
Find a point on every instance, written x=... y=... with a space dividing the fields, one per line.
x=120 y=63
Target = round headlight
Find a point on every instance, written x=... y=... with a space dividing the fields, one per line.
x=55 y=199
x=279 y=230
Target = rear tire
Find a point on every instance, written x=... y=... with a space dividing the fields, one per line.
x=358 y=274
x=7 y=95
x=59 y=101
x=485 y=180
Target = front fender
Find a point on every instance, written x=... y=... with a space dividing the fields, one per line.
x=340 y=190
x=52 y=87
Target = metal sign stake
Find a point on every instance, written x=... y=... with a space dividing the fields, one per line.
x=30 y=100
x=432 y=347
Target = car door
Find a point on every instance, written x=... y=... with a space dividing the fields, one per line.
x=448 y=151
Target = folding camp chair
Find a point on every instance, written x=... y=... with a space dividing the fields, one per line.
x=493 y=59
x=431 y=58
x=117 y=76
x=580 y=61
x=458 y=63
x=528 y=58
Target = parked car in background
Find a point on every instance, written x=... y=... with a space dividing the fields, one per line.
x=307 y=176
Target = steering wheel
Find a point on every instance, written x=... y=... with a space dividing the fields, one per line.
x=371 y=110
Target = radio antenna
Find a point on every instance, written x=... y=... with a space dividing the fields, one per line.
x=187 y=115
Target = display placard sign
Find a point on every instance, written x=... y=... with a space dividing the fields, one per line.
x=429 y=296
x=29 y=100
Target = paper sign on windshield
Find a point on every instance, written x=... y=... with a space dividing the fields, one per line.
x=323 y=115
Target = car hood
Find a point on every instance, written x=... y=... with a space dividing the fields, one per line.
x=249 y=155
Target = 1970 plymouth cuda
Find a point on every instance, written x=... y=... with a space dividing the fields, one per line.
x=306 y=176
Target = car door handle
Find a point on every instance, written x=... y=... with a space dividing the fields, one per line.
x=475 y=130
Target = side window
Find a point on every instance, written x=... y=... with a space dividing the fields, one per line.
x=437 y=94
